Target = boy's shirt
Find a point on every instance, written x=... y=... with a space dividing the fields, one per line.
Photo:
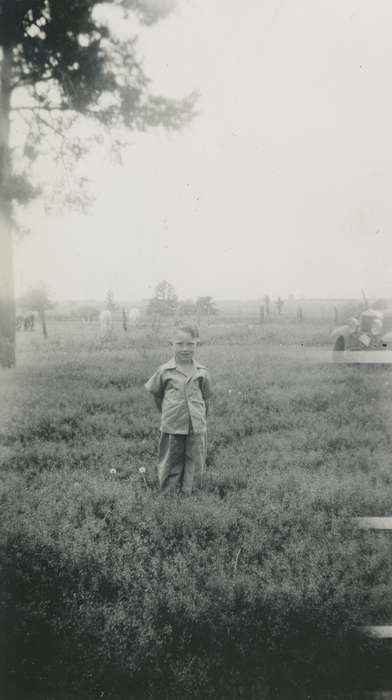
x=183 y=398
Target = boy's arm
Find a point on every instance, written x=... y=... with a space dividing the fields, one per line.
x=206 y=391
x=155 y=387
x=158 y=402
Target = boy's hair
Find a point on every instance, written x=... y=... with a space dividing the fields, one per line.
x=187 y=327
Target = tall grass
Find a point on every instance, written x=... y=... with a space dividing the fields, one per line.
x=255 y=586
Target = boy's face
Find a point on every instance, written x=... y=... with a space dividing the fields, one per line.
x=184 y=346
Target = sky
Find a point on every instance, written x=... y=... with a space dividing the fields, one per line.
x=280 y=185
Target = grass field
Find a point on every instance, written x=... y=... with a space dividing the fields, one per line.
x=255 y=586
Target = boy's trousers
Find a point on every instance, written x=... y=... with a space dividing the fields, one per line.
x=181 y=462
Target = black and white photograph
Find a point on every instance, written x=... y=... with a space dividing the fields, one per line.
x=195 y=350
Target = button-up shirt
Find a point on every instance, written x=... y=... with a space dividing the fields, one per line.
x=183 y=397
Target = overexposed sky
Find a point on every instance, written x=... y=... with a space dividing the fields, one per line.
x=280 y=185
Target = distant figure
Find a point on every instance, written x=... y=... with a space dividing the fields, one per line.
x=300 y=314
x=279 y=304
x=133 y=317
x=124 y=320
x=106 y=324
x=19 y=323
x=336 y=315
x=261 y=314
x=267 y=304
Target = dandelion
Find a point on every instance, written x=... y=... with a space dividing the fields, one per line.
x=113 y=470
x=237 y=558
x=142 y=471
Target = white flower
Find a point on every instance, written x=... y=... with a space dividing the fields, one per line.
x=142 y=470
x=113 y=471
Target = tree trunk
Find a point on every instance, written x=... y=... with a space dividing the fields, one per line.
x=7 y=302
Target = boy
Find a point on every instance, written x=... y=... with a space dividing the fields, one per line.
x=182 y=389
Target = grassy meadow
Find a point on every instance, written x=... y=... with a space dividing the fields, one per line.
x=252 y=588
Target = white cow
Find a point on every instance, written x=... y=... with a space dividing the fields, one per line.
x=106 y=324
x=133 y=317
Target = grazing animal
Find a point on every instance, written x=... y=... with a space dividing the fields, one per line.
x=106 y=324
x=133 y=317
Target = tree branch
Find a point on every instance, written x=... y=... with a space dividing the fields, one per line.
x=31 y=82
x=43 y=108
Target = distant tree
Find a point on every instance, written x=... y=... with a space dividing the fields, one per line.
x=187 y=307
x=166 y=293
x=206 y=307
x=164 y=303
x=62 y=65
x=37 y=299
x=165 y=299
x=110 y=302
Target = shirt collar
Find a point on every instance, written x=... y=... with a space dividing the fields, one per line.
x=171 y=364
